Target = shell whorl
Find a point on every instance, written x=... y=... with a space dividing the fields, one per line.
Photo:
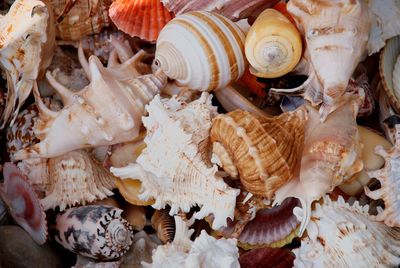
x=201 y=50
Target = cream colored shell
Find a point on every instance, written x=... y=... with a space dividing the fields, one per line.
x=201 y=50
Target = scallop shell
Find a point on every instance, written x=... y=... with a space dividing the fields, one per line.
x=201 y=50
x=27 y=39
x=176 y=131
x=141 y=18
x=23 y=204
x=164 y=224
x=262 y=152
x=273 y=45
x=389 y=177
x=97 y=232
x=347 y=235
x=78 y=18
x=205 y=251
x=335 y=32
x=106 y=112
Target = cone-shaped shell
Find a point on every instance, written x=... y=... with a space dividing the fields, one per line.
x=141 y=18
x=201 y=50
x=273 y=45
x=263 y=152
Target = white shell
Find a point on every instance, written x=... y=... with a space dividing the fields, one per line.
x=172 y=168
x=389 y=177
x=201 y=50
x=204 y=252
x=343 y=235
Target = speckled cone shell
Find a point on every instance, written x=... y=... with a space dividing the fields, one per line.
x=389 y=177
x=97 y=232
x=262 y=152
x=346 y=236
x=201 y=50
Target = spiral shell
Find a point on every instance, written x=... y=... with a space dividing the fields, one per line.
x=201 y=50
x=262 y=151
x=273 y=45
x=98 y=232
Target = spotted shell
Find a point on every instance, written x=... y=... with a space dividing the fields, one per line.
x=201 y=50
x=262 y=152
x=97 y=232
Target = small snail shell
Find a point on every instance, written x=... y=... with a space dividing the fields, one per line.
x=273 y=45
x=201 y=50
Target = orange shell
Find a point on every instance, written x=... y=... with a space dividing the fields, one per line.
x=264 y=150
x=141 y=18
x=130 y=190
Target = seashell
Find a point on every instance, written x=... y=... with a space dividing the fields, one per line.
x=345 y=234
x=143 y=19
x=335 y=32
x=83 y=262
x=201 y=50
x=277 y=258
x=131 y=189
x=3 y=213
x=385 y=23
x=273 y=45
x=177 y=131
x=205 y=251
x=396 y=75
x=262 y=152
x=109 y=201
x=371 y=161
x=23 y=204
x=232 y=9
x=328 y=158
x=136 y=216
x=76 y=19
x=97 y=124
x=164 y=224
x=97 y=232
x=388 y=176
x=27 y=40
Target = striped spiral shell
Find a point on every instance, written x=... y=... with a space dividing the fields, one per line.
x=201 y=50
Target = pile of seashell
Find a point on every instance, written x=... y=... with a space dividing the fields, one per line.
x=178 y=133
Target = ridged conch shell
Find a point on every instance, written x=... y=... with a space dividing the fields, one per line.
x=27 y=40
x=201 y=50
x=262 y=152
x=205 y=251
x=346 y=235
x=106 y=112
x=74 y=178
x=177 y=131
x=273 y=45
x=141 y=18
x=328 y=158
x=336 y=32
x=97 y=232
x=389 y=178
x=78 y=18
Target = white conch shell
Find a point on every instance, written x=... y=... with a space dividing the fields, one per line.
x=343 y=235
x=27 y=40
x=389 y=177
x=329 y=157
x=106 y=112
x=172 y=167
x=201 y=50
x=385 y=23
x=71 y=179
x=336 y=32
x=204 y=252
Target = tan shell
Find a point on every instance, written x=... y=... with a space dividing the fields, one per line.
x=263 y=152
x=164 y=224
x=135 y=215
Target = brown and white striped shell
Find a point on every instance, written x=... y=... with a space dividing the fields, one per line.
x=164 y=224
x=263 y=152
x=97 y=232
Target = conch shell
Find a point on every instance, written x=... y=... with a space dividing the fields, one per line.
x=344 y=234
x=389 y=177
x=262 y=152
x=27 y=41
x=273 y=45
x=108 y=111
x=201 y=50
x=179 y=132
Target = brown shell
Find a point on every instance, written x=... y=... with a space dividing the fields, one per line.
x=164 y=224
x=264 y=150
